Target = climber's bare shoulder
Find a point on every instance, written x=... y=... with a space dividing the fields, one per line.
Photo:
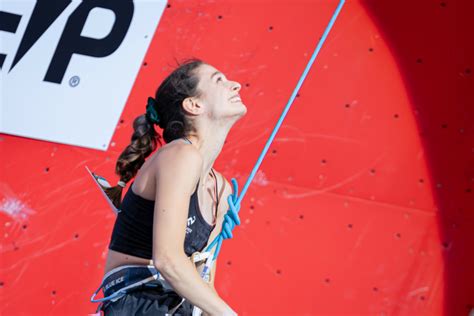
x=144 y=186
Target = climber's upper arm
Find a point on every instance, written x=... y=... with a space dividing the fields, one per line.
x=178 y=171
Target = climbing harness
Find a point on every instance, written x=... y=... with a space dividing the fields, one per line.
x=123 y=279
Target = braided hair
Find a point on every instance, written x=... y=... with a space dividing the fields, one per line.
x=165 y=110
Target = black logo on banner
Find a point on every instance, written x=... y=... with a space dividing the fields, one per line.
x=70 y=40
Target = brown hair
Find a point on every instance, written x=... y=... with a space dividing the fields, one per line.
x=179 y=85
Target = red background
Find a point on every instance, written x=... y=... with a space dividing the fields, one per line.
x=364 y=204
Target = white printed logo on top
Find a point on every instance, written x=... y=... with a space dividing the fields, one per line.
x=191 y=221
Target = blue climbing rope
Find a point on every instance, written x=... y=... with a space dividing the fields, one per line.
x=231 y=218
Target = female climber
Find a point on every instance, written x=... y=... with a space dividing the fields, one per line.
x=176 y=204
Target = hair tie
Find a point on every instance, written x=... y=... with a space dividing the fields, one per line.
x=151 y=113
x=122 y=184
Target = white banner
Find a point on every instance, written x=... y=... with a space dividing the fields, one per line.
x=67 y=67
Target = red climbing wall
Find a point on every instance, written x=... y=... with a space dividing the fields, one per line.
x=364 y=204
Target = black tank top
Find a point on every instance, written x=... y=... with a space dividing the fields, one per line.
x=133 y=229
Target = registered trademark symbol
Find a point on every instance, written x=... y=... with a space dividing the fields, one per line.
x=74 y=81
